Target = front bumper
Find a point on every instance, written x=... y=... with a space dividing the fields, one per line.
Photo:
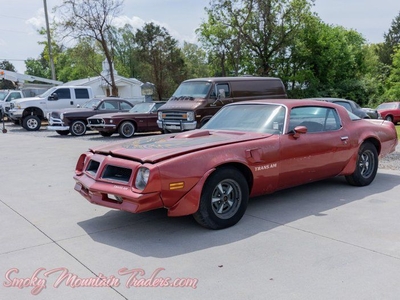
x=56 y=124
x=106 y=194
x=15 y=114
x=177 y=125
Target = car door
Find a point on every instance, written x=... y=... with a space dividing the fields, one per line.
x=148 y=122
x=320 y=153
x=61 y=98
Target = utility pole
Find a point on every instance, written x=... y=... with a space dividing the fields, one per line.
x=53 y=71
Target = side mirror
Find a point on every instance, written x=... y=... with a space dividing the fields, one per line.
x=299 y=130
x=53 y=96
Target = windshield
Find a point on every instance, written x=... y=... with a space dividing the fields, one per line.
x=387 y=106
x=141 y=108
x=267 y=118
x=198 y=89
x=91 y=103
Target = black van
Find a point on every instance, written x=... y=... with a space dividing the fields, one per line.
x=196 y=100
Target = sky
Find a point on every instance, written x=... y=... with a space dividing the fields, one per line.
x=20 y=20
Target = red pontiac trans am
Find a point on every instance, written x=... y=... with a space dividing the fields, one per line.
x=247 y=149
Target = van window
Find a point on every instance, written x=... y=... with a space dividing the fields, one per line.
x=81 y=93
x=218 y=88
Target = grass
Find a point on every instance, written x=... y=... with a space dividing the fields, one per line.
x=398 y=131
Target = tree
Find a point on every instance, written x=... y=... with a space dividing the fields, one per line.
x=91 y=19
x=195 y=61
x=7 y=84
x=161 y=60
x=393 y=82
x=392 y=40
x=262 y=28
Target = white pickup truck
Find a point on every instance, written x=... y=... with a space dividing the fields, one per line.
x=30 y=112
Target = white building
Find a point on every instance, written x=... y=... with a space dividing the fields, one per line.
x=128 y=88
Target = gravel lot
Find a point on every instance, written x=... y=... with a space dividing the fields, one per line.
x=391 y=162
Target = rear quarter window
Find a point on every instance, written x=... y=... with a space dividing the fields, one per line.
x=81 y=93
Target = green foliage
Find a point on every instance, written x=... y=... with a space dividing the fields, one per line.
x=393 y=82
x=7 y=84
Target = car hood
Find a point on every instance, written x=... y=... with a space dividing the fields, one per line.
x=160 y=147
x=27 y=99
x=177 y=104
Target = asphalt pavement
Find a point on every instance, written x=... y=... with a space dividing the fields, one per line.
x=324 y=240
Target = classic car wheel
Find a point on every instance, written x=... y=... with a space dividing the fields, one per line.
x=389 y=118
x=106 y=134
x=127 y=129
x=62 y=132
x=31 y=123
x=223 y=200
x=78 y=128
x=367 y=166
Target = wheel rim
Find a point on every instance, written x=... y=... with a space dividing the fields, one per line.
x=366 y=164
x=78 y=128
x=31 y=123
x=127 y=130
x=226 y=199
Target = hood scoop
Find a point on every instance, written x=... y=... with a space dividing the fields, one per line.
x=192 y=134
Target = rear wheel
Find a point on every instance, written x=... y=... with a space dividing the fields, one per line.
x=31 y=123
x=78 y=128
x=127 y=129
x=389 y=118
x=366 y=167
x=223 y=200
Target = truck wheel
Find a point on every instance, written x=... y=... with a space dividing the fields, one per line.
x=62 y=132
x=31 y=123
x=223 y=200
x=127 y=129
x=78 y=128
x=366 y=166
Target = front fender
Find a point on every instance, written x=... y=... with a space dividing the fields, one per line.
x=189 y=203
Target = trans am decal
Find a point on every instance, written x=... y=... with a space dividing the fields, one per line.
x=265 y=167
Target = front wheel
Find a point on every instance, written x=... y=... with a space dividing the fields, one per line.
x=366 y=167
x=78 y=128
x=223 y=200
x=127 y=129
x=31 y=123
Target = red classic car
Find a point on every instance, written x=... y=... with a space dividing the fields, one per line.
x=247 y=149
x=390 y=111
x=140 y=118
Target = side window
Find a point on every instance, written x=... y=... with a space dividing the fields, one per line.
x=225 y=87
x=109 y=105
x=63 y=93
x=316 y=119
x=13 y=96
x=125 y=106
x=81 y=93
x=344 y=104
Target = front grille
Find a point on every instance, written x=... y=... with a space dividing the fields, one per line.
x=117 y=173
x=174 y=115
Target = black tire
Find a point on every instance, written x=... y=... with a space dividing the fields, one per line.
x=389 y=118
x=78 y=128
x=31 y=123
x=366 y=167
x=223 y=199
x=127 y=129
x=62 y=132
x=105 y=134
